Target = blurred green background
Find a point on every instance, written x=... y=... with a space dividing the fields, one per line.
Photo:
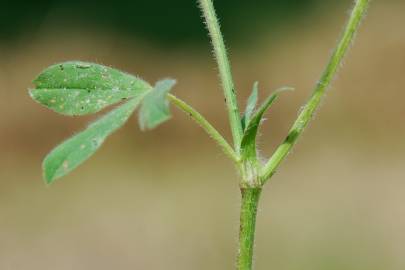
x=168 y=199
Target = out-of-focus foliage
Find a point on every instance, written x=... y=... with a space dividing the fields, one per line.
x=157 y=20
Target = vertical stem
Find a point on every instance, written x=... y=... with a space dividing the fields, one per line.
x=248 y=213
x=224 y=70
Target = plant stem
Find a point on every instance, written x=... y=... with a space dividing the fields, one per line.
x=307 y=113
x=212 y=132
x=248 y=213
x=224 y=70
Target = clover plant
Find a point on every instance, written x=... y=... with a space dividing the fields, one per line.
x=78 y=88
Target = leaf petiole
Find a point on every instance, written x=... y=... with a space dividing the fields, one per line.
x=212 y=132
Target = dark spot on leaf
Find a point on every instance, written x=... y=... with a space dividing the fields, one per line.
x=292 y=136
x=61 y=67
x=95 y=142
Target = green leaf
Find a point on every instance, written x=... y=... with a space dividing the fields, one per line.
x=79 y=88
x=248 y=144
x=155 y=106
x=250 y=105
x=74 y=151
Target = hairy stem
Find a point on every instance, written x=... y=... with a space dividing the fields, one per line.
x=307 y=113
x=212 y=132
x=248 y=213
x=224 y=70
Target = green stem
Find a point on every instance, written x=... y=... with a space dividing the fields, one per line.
x=224 y=70
x=212 y=132
x=307 y=113
x=248 y=213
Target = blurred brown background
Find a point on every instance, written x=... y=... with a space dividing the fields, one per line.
x=168 y=199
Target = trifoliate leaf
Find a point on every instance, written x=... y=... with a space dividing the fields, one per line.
x=79 y=88
x=155 y=106
x=74 y=151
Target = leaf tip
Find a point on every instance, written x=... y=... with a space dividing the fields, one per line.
x=31 y=93
x=167 y=83
x=285 y=88
x=48 y=172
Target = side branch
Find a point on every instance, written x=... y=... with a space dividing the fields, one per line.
x=307 y=113
x=212 y=132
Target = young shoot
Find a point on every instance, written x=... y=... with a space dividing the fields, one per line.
x=77 y=88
